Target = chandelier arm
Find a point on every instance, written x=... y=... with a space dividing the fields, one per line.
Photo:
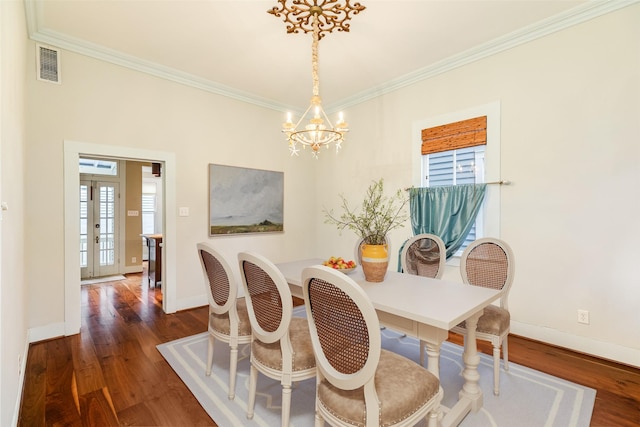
x=304 y=115
x=326 y=118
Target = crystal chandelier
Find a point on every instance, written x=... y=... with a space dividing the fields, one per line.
x=317 y=17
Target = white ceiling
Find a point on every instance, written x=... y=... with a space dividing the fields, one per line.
x=237 y=49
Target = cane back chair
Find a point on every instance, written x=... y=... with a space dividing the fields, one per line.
x=489 y=262
x=359 y=383
x=281 y=347
x=228 y=318
x=424 y=255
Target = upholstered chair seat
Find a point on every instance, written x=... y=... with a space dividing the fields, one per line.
x=494 y=320
x=401 y=385
x=222 y=324
x=270 y=354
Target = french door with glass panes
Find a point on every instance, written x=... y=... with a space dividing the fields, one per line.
x=98 y=228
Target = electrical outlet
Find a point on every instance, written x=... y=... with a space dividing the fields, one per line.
x=134 y=260
x=583 y=316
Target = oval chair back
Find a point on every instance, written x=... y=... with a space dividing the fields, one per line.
x=488 y=262
x=424 y=255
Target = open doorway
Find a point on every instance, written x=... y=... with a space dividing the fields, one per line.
x=120 y=201
x=152 y=223
x=100 y=187
x=72 y=153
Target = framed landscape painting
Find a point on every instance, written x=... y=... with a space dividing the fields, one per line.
x=244 y=200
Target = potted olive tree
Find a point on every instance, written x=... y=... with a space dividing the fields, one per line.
x=371 y=221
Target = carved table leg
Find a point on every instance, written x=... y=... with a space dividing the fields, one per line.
x=471 y=390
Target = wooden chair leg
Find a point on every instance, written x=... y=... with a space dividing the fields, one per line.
x=286 y=404
x=496 y=369
x=433 y=419
x=253 y=383
x=233 y=366
x=505 y=353
x=209 y=355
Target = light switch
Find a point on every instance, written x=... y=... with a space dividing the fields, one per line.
x=132 y=213
x=184 y=212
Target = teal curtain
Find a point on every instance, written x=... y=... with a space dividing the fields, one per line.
x=448 y=211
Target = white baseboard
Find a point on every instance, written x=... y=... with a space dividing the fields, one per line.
x=56 y=330
x=132 y=269
x=23 y=368
x=604 y=350
x=46 y=332
x=193 y=302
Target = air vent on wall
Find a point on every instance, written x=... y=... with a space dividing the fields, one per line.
x=48 y=60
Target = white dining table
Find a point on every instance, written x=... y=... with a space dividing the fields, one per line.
x=427 y=309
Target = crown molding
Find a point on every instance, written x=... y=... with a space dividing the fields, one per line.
x=535 y=31
x=575 y=16
x=118 y=58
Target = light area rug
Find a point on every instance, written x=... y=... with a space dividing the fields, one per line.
x=528 y=398
x=102 y=279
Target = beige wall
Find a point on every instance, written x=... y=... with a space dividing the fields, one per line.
x=111 y=106
x=133 y=224
x=570 y=106
x=13 y=266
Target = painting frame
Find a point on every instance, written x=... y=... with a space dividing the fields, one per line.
x=245 y=200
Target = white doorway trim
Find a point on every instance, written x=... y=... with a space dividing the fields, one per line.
x=72 y=152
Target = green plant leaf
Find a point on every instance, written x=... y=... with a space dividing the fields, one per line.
x=375 y=217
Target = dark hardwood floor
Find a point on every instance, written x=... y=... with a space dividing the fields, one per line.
x=112 y=374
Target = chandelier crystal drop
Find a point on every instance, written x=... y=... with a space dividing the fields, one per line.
x=318 y=17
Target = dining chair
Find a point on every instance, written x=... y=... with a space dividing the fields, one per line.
x=281 y=346
x=424 y=255
x=359 y=383
x=489 y=262
x=228 y=317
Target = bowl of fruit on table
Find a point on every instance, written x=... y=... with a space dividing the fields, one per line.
x=338 y=263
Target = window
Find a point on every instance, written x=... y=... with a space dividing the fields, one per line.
x=148 y=207
x=148 y=213
x=98 y=167
x=455 y=167
x=448 y=164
